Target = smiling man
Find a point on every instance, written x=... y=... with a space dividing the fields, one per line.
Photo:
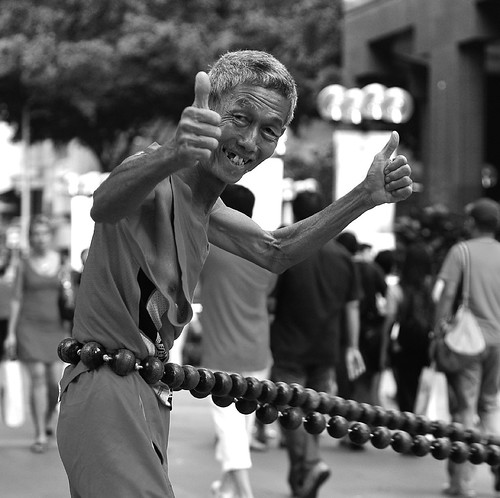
x=155 y=216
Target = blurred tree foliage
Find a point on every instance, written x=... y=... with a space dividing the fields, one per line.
x=112 y=72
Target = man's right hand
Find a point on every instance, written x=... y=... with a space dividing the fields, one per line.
x=198 y=130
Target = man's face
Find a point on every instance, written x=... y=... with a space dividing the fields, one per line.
x=252 y=121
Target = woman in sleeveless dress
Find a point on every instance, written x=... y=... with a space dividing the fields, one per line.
x=35 y=328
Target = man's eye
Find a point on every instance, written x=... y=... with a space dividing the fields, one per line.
x=270 y=134
x=240 y=117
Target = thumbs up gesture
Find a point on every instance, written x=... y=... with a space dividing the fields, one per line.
x=198 y=131
x=388 y=180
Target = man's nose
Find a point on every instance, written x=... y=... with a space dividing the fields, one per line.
x=248 y=139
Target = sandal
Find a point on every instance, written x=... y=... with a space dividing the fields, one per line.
x=38 y=447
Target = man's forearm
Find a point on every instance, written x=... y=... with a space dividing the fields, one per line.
x=130 y=183
x=298 y=241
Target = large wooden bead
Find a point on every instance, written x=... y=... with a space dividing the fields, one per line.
x=424 y=425
x=239 y=387
x=68 y=349
x=206 y=382
x=421 y=445
x=441 y=448
x=381 y=417
x=198 y=394
x=291 y=418
x=267 y=413
x=122 y=362
x=401 y=442
x=92 y=355
x=246 y=406
x=456 y=431
x=367 y=414
x=477 y=453
x=381 y=437
x=339 y=407
x=326 y=403
x=254 y=388
x=222 y=401
x=393 y=419
x=284 y=394
x=459 y=452
x=359 y=433
x=353 y=409
x=337 y=426
x=223 y=384
x=299 y=395
x=493 y=455
x=269 y=392
x=191 y=377
x=314 y=423
x=472 y=436
x=439 y=428
x=152 y=369
x=173 y=375
x=409 y=422
x=312 y=401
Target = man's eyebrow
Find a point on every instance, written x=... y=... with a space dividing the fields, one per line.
x=245 y=102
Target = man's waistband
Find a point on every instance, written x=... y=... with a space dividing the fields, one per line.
x=122 y=361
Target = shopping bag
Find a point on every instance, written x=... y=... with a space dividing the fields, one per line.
x=12 y=393
x=432 y=395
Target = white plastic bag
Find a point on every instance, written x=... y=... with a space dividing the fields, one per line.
x=432 y=395
x=12 y=393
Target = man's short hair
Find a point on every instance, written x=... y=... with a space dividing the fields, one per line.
x=486 y=214
x=251 y=67
x=239 y=197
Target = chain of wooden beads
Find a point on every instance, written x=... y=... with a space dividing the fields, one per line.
x=294 y=405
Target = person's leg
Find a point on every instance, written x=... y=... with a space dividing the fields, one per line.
x=232 y=451
x=294 y=440
x=314 y=471
x=464 y=387
x=321 y=379
x=38 y=403
x=407 y=376
x=488 y=404
x=53 y=376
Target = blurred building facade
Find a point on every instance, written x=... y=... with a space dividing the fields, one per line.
x=446 y=53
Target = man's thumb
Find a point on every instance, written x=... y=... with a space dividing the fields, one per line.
x=201 y=90
x=391 y=145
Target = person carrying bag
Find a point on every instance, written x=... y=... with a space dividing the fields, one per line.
x=474 y=377
x=459 y=340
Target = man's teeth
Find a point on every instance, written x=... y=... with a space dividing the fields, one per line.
x=235 y=159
